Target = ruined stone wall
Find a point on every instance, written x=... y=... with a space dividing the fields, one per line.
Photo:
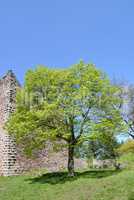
x=8 y=87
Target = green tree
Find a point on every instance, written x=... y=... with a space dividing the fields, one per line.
x=126 y=93
x=128 y=113
x=66 y=104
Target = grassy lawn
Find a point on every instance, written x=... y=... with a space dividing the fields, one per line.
x=88 y=185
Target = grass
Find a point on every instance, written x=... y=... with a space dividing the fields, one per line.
x=127 y=160
x=86 y=185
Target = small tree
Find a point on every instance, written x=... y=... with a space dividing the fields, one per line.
x=126 y=93
x=63 y=104
x=129 y=112
x=102 y=147
x=105 y=148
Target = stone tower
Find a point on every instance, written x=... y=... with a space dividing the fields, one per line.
x=8 y=87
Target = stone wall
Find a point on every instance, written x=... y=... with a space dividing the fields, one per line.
x=8 y=87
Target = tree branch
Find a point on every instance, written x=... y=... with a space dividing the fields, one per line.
x=132 y=129
x=82 y=125
x=63 y=138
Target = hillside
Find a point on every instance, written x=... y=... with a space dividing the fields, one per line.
x=87 y=185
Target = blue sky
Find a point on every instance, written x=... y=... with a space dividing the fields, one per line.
x=59 y=33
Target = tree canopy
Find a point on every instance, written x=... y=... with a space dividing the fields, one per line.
x=73 y=104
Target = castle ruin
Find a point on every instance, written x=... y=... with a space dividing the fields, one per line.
x=8 y=87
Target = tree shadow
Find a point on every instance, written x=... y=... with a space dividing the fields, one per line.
x=131 y=196
x=62 y=177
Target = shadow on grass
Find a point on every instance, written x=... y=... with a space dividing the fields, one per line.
x=131 y=196
x=62 y=177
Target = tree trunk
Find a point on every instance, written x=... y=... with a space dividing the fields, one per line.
x=70 y=160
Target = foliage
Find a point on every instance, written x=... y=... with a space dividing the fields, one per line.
x=103 y=147
x=127 y=147
x=129 y=117
x=72 y=104
x=127 y=107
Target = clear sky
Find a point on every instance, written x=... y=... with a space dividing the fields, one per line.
x=61 y=32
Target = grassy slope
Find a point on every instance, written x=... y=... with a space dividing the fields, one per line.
x=88 y=185
x=92 y=185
